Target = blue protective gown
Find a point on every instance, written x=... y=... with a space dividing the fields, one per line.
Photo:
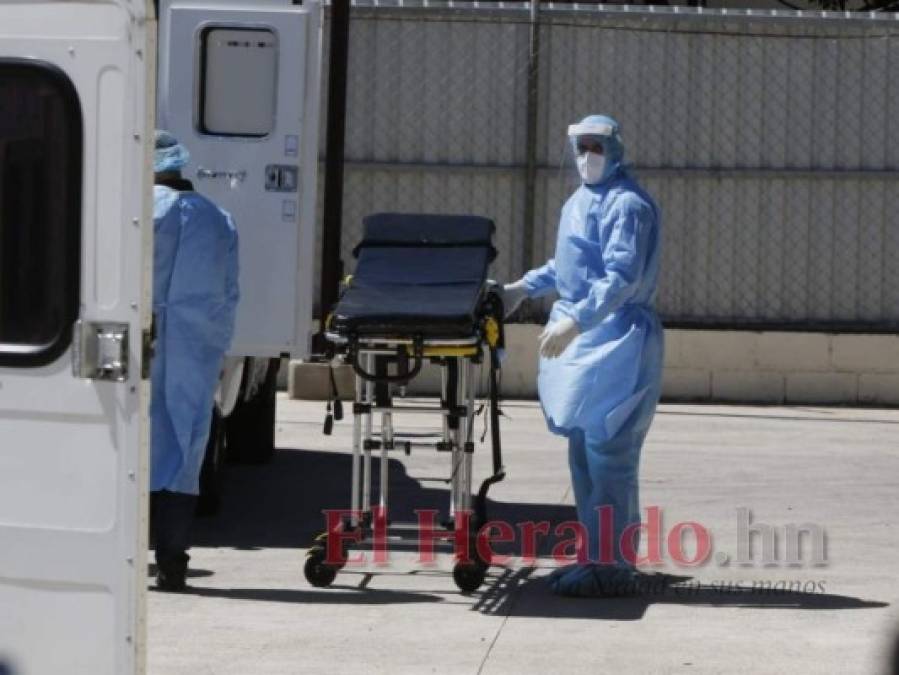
x=601 y=393
x=195 y=295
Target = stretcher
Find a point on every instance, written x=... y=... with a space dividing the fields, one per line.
x=419 y=295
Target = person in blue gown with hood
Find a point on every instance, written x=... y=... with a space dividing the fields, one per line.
x=601 y=352
x=195 y=293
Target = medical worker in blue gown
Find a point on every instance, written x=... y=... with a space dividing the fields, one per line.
x=601 y=352
x=195 y=295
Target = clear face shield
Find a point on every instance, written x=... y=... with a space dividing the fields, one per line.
x=584 y=158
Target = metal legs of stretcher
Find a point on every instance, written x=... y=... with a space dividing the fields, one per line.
x=374 y=432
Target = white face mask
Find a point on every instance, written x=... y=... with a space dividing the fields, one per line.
x=591 y=166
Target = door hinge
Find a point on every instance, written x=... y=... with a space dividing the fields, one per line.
x=147 y=349
x=101 y=351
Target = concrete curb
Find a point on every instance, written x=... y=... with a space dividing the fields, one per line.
x=700 y=366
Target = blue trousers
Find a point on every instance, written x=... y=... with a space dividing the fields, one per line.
x=605 y=474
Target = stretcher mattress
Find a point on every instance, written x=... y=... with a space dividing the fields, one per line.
x=417 y=275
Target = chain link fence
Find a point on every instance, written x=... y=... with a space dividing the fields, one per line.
x=768 y=140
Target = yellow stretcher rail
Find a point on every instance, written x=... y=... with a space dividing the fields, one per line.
x=449 y=350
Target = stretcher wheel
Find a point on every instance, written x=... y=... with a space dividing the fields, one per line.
x=320 y=547
x=317 y=572
x=469 y=575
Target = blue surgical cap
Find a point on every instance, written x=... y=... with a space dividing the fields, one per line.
x=170 y=155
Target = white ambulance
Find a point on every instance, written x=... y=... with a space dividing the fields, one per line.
x=238 y=84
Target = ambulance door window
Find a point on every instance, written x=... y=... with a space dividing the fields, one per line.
x=238 y=83
x=40 y=212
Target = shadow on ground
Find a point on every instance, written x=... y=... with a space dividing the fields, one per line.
x=192 y=573
x=334 y=595
x=280 y=505
x=521 y=593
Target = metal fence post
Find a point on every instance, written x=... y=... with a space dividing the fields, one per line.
x=530 y=181
x=332 y=265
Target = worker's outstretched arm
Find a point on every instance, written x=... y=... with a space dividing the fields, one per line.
x=541 y=280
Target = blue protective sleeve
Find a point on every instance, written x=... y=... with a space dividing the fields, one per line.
x=541 y=280
x=624 y=258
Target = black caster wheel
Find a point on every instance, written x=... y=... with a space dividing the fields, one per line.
x=469 y=575
x=320 y=543
x=317 y=572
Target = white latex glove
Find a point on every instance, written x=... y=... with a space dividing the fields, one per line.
x=513 y=296
x=557 y=336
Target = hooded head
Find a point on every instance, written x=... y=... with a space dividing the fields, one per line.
x=169 y=156
x=601 y=130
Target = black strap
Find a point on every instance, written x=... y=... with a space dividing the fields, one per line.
x=335 y=395
x=494 y=414
x=178 y=184
x=499 y=471
x=399 y=378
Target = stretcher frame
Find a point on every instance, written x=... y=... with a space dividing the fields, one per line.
x=459 y=360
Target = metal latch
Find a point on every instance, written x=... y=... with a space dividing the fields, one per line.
x=281 y=178
x=101 y=351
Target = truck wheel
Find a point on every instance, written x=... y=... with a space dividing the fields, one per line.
x=210 y=501
x=250 y=428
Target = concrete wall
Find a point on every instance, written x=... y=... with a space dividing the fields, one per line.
x=719 y=366
x=768 y=367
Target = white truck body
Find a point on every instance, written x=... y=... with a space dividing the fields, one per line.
x=74 y=431
x=73 y=424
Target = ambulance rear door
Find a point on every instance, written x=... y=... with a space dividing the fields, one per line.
x=75 y=248
x=239 y=86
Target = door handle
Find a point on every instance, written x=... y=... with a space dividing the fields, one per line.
x=100 y=351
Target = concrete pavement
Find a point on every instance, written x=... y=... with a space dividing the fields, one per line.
x=834 y=470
